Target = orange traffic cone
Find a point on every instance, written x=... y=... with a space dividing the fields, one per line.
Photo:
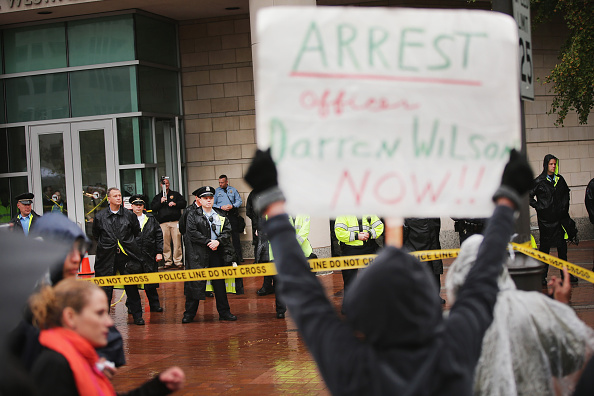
x=85 y=268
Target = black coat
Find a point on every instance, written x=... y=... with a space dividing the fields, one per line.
x=150 y=243
x=196 y=237
x=423 y=234
x=163 y=211
x=53 y=376
x=589 y=200
x=18 y=227
x=110 y=227
x=551 y=203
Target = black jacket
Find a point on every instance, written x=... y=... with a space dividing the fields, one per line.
x=53 y=376
x=589 y=200
x=550 y=201
x=423 y=234
x=108 y=229
x=150 y=243
x=196 y=237
x=18 y=227
x=163 y=211
x=408 y=346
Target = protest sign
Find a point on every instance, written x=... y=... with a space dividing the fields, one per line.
x=395 y=112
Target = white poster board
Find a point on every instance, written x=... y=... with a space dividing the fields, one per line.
x=394 y=112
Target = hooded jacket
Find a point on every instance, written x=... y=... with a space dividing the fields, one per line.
x=534 y=342
x=551 y=201
x=408 y=348
x=57 y=228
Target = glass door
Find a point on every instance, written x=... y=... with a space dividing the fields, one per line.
x=51 y=171
x=73 y=165
x=93 y=156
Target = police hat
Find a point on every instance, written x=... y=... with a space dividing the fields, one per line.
x=137 y=199
x=205 y=191
x=25 y=198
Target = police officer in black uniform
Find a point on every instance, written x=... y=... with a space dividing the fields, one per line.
x=150 y=245
x=208 y=244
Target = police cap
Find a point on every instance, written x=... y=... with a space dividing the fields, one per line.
x=205 y=191
x=25 y=198
x=137 y=199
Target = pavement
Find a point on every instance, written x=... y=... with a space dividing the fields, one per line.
x=258 y=354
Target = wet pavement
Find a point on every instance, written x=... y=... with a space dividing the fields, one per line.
x=258 y=354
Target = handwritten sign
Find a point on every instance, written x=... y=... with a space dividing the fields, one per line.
x=395 y=112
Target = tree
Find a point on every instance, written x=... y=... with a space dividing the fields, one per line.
x=573 y=76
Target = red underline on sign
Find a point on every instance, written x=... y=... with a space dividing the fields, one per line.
x=449 y=81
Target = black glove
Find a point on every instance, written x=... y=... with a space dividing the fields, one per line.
x=263 y=178
x=261 y=174
x=517 y=178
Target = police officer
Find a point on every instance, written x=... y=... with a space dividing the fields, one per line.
x=150 y=244
x=208 y=244
x=115 y=229
x=357 y=236
x=25 y=220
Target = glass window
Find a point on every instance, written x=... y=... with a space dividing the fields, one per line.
x=94 y=177
x=156 y=41
x=35 y=48
x=103 y=91
x=53 y=179
x=135 y=140
x=2 y=113
x=166 y=146
x=101 y=40
x=13 y=150
x=158 y=90
x=36 y=98
x=10 y=187
x=138 y=181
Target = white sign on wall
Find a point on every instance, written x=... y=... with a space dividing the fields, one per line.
x=396 y=112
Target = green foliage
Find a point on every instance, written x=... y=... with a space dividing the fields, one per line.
x=573 y=75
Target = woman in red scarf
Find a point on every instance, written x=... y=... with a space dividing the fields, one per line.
x=75 y=320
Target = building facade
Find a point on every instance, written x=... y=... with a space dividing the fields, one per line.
x=97 y=93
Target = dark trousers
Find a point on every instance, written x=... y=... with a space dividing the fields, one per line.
x=152 y=295
x=559 y=243
x=269 y=283
x=218 y=286
x=133 y=297
x=237 y=247
x=348 y=276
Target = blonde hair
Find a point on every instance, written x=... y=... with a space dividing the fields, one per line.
x=48 y=304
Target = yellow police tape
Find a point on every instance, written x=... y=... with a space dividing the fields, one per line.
x=316 y=265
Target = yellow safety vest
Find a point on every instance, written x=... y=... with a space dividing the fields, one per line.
x=347 y=227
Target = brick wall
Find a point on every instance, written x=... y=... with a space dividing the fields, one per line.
x=218 y=99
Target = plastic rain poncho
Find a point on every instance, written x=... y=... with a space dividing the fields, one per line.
x=534 y=344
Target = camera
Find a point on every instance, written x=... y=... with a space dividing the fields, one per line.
x=163 y=178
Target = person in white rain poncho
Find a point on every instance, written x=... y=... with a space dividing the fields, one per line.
x=534 y=344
